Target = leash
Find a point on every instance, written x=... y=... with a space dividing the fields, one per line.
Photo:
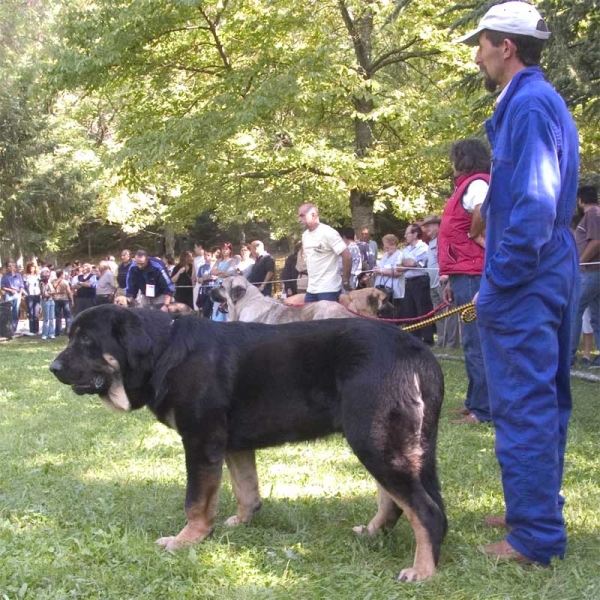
x=466 y=311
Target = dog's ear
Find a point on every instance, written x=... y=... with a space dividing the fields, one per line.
x=374 y=301
x=132 y=337
x=236 y=293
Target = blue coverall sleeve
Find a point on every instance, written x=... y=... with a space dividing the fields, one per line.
x=534 y=190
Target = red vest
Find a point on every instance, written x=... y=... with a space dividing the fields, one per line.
x=457 y=254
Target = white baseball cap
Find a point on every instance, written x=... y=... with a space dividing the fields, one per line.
x=518 y=18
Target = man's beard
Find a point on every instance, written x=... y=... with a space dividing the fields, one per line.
x=489 y=84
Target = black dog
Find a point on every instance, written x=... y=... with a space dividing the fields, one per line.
x=229 y=389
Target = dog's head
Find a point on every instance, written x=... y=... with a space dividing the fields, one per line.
x=110 y=352
x=123 y=301
x=380 y=303
x=369 y=302
x=231 y=291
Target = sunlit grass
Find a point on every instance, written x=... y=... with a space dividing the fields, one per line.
x=84 y=493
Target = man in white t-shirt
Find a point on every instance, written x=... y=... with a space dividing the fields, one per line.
x=322 y=245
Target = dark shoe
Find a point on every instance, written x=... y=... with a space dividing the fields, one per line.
x=595 y=364
x=496 y=521
x=469 y=419
x=504 y=551
x=584 y=362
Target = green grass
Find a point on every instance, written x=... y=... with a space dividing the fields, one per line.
x=84 y=493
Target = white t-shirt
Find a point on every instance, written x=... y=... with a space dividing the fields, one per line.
x=321 y=249
x=475 y=194
x=198 y=262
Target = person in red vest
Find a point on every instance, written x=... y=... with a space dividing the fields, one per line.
x=461 y=244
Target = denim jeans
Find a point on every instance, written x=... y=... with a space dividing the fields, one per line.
x=33 y=306
x=15 y=301
x=464 y=288
x=47 y=318
x=62 y=309
x=589 y=296
x=331 y=296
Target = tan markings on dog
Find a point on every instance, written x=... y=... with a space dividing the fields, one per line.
x=201 y=515
x=387 y=514
x=424 y=562
x=410 y=458
x=112 y=362
x=116 y=398
x=244 y=481
x=170 y=419
x=108 y=404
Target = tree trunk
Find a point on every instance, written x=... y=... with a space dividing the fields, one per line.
x=169 y=241
x=361 y=205
x=361 y=32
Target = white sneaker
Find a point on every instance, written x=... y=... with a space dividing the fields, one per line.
x=51 y=337
x=44 y=337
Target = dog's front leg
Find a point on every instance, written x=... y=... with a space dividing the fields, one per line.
x=204 y=470
x=244 y=481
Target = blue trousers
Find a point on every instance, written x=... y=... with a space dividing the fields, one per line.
x=464 y=288
x=589 y=295
x=47 y=318
x=15 y=305
x=33 y=306
x=525 y=337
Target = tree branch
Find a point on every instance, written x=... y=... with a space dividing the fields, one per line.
x=279 y=172
x=404 y=58
x=362 y=54
x=386 y=55
x=213 y=28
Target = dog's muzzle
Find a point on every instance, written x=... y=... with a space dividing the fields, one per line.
x=97 y=385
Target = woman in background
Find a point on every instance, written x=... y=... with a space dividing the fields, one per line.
x=182 y=279
x=31 y=282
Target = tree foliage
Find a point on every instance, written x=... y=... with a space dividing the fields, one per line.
x=160 y=110
x=46 y=169
x=250 y=108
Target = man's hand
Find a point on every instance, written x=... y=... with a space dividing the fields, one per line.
x=165 y=308
x=448 y=295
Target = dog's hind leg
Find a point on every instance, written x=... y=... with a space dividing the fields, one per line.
x=428 y=522
x=387 y=515
x=244 y=481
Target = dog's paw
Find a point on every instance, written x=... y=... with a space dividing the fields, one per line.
x=413 y=575
x=170 y=543
x=364 y=530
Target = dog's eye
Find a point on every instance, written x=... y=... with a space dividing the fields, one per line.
x=84 y=338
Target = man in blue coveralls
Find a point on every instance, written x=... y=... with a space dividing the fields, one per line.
x=530 y=279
